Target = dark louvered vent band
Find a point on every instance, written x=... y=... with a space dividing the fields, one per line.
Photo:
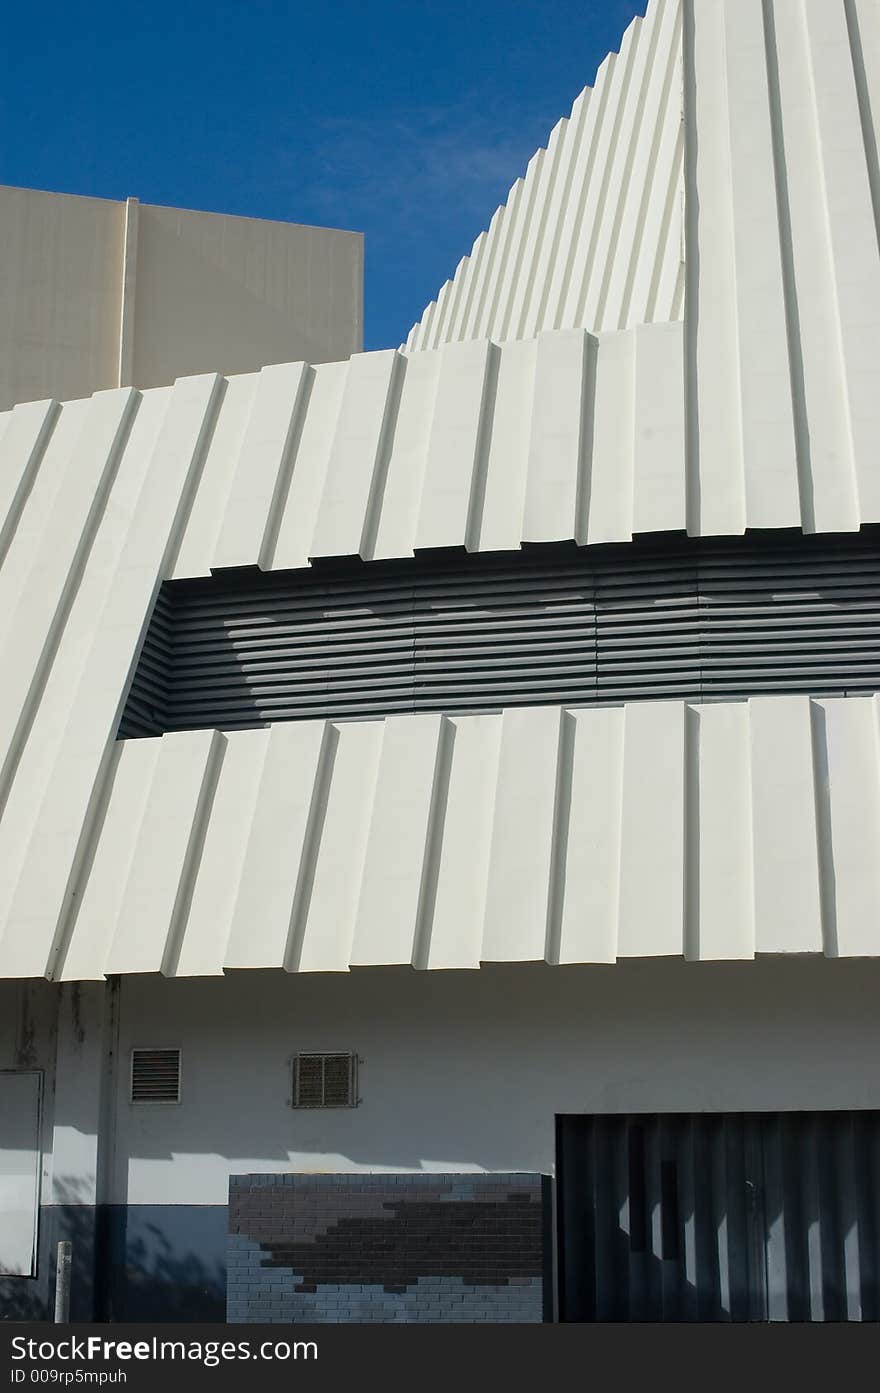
x=687 y=618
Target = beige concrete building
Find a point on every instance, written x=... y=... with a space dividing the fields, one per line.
x=96 y=293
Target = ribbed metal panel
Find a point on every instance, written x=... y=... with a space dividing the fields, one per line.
x=581 y=834
x=760 y=412
x=591 y=233
x=740 y=1217
x=694 y=619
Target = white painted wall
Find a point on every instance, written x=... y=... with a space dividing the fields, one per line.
x=466 y=1071
x=60 y=1033
x=20 y=1093
x=10 y=993
x=56 y=1038
x=27 y=1056
x=27 y=1024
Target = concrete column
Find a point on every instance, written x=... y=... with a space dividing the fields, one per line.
x=125 y=365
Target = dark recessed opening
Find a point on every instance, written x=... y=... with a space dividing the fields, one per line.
x=703 y=619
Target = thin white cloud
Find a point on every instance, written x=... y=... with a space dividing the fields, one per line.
x=420 y=165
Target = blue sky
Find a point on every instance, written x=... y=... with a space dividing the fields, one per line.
x=407 y=122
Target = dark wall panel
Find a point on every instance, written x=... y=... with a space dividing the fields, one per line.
x=738 y=1217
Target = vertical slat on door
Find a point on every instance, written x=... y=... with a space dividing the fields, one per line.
x=739 y=1212
x=775 y=1220
x=754 y=1244
x=866 y=1144
x=605 y=1219
x=812 y=1223
x=612 y=1251
x=577 y=1184
x=620 y=1253
x=637 y=1221
x=655 y=1219
x=830 y=1196
x=692 y=1133
x=796 y=1259
x=721 y=1217
x=845 y=1166
x=669 y=1134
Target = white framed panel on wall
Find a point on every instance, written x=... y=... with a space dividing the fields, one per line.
x=20 y=1103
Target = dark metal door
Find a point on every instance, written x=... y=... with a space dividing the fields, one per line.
x=734 y=1217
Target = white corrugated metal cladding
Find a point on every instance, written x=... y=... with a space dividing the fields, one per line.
x=592 y=234
x=571 y=836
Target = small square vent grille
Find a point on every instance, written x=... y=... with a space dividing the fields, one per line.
x=325 y=1081
x=155 y=1076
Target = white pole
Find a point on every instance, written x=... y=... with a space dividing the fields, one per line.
x=62 y=1283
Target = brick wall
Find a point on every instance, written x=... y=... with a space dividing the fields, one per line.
x=305 y=1248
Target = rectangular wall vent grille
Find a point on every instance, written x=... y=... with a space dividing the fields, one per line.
x=325 y=1081
x=694 y=619
x=155 y=1076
